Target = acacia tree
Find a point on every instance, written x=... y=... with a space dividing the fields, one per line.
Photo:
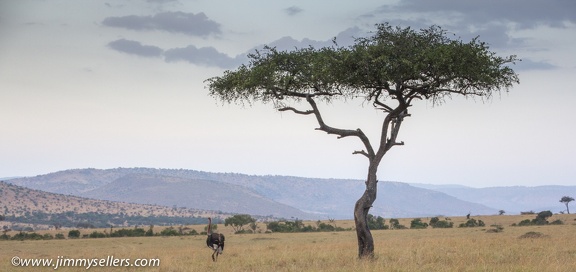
x=238 y=221
x=389 y=70
x=566 y=200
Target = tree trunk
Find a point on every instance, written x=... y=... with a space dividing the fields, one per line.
x=363 y=205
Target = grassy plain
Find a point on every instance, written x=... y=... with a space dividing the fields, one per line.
x=455 y=249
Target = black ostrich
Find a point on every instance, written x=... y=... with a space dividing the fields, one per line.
x=215 y=241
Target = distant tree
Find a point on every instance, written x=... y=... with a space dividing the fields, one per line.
x=74 y=234
x=501 y=212
x=390 y=71
x=566 y=200
x=435 y=222
x=395 y=224
x=542 y=218
x=376 y=222
x=417 y=223
x=471 y=223
x=150 y=231
x=239 y=221
x=253 y=226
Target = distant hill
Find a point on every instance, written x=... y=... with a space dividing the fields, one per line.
x=39 y=207
x=513 y=199
x=194 y=193
x=281 y=196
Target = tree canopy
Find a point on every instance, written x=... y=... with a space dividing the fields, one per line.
x=239 y=221
x=390 y=70
x=395 y=62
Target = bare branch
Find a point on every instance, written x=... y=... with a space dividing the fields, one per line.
x=361 y=152
x=296 y=111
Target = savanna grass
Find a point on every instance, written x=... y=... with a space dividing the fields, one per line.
x=455 y=249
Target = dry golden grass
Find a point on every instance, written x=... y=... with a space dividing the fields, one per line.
x=456 y=249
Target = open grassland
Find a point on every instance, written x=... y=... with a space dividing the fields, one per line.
x=455 y=249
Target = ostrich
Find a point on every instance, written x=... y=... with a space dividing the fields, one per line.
x=215 y=241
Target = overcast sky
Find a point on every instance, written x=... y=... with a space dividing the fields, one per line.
x=121 y=84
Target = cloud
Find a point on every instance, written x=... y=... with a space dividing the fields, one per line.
x=135 y=48
x=293 y=10
x=206 y=56
x=524 y=13
x=492 y=20
x=211 y=57
x=173 y=22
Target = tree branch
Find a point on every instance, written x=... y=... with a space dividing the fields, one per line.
x=342 y=132
x=296 y=111
x=361 y=152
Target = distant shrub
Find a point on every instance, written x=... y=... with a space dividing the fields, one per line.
x=435 y=222
x=169 y=232
x=47 y=236
x=59 y=236
x=298 y=226
x=557 y=222
x=96 y=234
x=417 y=223
x=376 y=222
x=471 y=223
x=150 y=231
x=525 y=222
x=74 y=234
x=529 y=212
x=395 y=224
x=326 y=227
x=135 y=232
x=541 y=219
x=27 y=236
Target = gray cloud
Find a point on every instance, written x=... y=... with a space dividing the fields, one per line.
x=207 y=56
x=293 y=10
x=492 y=20
x=210 y=56
x=135 y=48
x=174 y=22
x=525 y=13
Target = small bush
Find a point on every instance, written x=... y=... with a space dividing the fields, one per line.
x=59 y=236
x=557 y=222
x=96 y=234
x=418 y=224
x=73 y=234
x=471 y=223
x=437 y=223
x=169 y=232
x=525 y=222
x=395 y=224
